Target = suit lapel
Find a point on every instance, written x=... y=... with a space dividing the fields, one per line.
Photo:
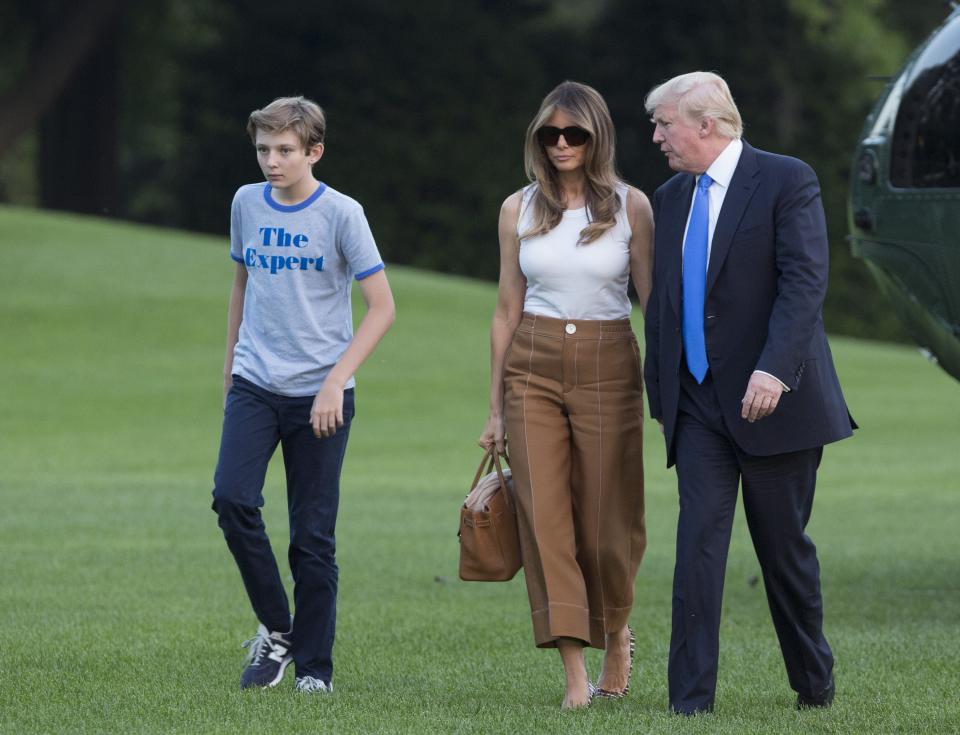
x=743 y=185
x=673 y=224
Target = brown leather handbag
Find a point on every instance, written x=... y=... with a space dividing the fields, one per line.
x=489 y=540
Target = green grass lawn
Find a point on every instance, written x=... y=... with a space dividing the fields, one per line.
x=122 y=610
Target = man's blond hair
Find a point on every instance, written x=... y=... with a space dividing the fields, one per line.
x=698 y=95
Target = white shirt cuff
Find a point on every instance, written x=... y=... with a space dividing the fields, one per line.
x=785 y=388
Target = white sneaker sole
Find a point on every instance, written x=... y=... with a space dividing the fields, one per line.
x=279 y=677
x=276 y=680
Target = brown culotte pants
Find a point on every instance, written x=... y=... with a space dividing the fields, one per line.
x=574 y=418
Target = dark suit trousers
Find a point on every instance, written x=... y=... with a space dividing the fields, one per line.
x=777 y=497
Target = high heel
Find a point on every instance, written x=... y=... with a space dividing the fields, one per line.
x=621 y=693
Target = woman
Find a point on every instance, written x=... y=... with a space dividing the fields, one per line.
x=566 y=384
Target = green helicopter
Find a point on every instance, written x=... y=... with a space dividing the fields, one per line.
x=904 y=209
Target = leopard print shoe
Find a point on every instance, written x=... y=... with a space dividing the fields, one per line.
x=598 y=691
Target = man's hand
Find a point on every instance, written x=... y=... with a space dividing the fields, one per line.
x=761 y=398
x=327 y=412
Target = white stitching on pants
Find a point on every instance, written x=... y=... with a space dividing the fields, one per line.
x=576 y=368
x=603 y=601
x=526 y=444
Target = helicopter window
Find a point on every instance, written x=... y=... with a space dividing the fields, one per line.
x=926 y=141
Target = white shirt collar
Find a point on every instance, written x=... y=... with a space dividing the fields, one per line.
x=723 y=166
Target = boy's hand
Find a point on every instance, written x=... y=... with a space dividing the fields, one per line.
x=326 y=416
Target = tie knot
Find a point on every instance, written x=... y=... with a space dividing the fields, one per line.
x=704 y=182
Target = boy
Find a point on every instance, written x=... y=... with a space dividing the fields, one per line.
x=288 y=379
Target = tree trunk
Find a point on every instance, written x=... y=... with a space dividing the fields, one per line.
x=78 y=157
x=66 y=46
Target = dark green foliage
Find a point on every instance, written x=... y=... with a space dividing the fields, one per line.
x=426 y=107
x=798 y=71
x=428 y=103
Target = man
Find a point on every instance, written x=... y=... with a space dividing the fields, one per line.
x=740 y=376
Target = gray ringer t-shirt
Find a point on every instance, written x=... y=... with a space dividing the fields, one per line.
x=301 y=261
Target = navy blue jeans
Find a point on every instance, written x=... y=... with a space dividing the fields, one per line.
x=254 y=422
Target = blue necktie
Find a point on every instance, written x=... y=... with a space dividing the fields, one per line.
x=695 y=280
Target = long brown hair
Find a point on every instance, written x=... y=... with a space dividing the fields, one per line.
x=588 y=110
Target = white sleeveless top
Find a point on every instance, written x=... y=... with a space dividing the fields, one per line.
x=567 y=280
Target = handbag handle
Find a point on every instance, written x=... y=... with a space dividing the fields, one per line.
x=491 y=460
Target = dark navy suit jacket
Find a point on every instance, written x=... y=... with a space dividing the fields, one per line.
x=766 y=282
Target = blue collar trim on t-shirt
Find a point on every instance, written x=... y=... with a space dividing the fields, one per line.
x=268 y=198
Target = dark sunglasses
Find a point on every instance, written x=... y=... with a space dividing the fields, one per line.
x=549 y=135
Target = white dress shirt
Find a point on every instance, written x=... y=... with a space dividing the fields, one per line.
x=721 y=171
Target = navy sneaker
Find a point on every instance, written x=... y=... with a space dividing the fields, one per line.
x=268 y=658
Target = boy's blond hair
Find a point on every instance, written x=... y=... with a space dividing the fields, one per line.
x=299 y=114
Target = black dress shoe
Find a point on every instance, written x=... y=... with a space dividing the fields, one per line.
x=705 y=709
x=824 y=699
